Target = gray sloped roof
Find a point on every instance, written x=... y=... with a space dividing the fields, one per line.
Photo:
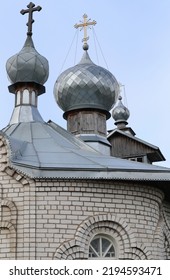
x=45 y=150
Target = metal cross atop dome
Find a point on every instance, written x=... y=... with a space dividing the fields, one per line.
x=83 y=25
x=31 y=8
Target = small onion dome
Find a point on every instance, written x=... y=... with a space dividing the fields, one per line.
x=28 y=65
x=120 y=113
x=86 y=86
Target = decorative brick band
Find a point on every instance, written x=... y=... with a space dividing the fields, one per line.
x=10 y=225
x=12 y=208
x=3 y=153
x=12 y=230
x=106 y=224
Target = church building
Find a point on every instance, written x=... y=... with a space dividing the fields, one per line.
x=80 y=193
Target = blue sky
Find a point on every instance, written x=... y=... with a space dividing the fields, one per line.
x=134 y=36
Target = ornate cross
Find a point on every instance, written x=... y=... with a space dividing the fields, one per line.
x=84 y=25
x=31 y=8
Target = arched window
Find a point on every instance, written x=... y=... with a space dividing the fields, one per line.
x=102 y=246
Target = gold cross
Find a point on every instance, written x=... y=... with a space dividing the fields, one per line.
x=84 y=25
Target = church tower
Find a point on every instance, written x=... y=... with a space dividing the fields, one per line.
x=86 y=92
x=28 y=71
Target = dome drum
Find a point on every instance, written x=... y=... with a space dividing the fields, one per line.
x=86 y=122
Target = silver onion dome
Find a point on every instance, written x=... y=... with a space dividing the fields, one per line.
x=120 y=113
x=86 y=85
x=28 y=65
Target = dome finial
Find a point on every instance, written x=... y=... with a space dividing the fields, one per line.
x=83 y=25
x=31 y=8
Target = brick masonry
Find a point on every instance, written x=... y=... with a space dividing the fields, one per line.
x=57 y=219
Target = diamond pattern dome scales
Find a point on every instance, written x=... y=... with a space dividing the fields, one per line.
x=28 y=65
x=86 y=85
x=120 y=112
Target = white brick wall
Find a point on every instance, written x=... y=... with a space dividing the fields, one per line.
x=40 y=219
x=60 y=216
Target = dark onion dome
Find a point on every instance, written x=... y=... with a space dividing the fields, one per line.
x=120 y=113
x=86 y=86
x=28 y=65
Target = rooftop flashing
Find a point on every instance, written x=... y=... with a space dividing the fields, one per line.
x=25 y=113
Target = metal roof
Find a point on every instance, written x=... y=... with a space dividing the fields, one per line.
x=120 y=113
x=45 y=150
x=28 y=65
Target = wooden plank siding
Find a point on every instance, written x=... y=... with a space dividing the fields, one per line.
x=125 y=147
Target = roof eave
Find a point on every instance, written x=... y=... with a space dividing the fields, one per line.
x=107 y=174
